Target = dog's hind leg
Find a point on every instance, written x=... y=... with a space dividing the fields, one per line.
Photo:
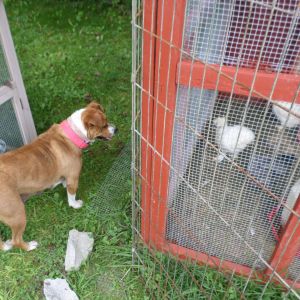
x=14 y=216
x=18 y=225
x=5 y=209
x=17 y=236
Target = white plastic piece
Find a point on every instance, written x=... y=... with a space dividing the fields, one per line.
x=58 y=289
x=80 y=245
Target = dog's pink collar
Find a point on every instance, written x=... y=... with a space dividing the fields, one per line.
x=75 y=139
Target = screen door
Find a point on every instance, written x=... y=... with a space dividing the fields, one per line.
x=16 y=123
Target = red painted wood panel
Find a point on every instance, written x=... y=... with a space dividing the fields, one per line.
x=171 y=30
x=285 y=87
x=148 y=65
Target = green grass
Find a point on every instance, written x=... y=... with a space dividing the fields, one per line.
x=169 y=278
x=71 y=52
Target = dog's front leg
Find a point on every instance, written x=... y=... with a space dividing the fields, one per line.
x=72 y=185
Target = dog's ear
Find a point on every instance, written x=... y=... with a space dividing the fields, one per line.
x=96 y=105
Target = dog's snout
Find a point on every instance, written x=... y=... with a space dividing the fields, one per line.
x=116 y=130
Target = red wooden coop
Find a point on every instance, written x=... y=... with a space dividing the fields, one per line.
x=219 y=135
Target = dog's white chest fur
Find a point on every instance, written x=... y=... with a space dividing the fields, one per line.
x=76 y=123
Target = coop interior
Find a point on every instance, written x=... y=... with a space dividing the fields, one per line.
x=230 y=208
x=234 y=170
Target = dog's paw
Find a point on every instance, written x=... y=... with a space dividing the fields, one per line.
x=76 y=204
x=32 y=245
x=7 y=245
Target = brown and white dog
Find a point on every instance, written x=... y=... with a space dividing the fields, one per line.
x=53 y=158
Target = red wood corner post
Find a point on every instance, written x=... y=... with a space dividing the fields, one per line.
x=148 y=64
x=170 y=23
x=288 y=246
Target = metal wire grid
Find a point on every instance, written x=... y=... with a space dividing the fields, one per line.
x=4 y=72
x=9 y=129
x=206 y=193
x=293 y=271
x=106 y=197
x=206 y=21
x=246 y=24
x=211 y=194
x=136 y=79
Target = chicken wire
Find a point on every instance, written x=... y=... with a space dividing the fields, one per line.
x=4 y=73
x=9 y=129
x=112 y=192
x=245 y=24
x=224 y=203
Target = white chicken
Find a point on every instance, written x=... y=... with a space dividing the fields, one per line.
x=286 y=119
x=232 y=139
x=290 y=202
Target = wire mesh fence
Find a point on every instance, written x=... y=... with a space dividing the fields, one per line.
x=108 y=197
x=9 y=129
x=216 y=147
x=4 y=72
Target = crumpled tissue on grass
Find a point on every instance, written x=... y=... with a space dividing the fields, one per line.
x=58 y=289
x=80 y=244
